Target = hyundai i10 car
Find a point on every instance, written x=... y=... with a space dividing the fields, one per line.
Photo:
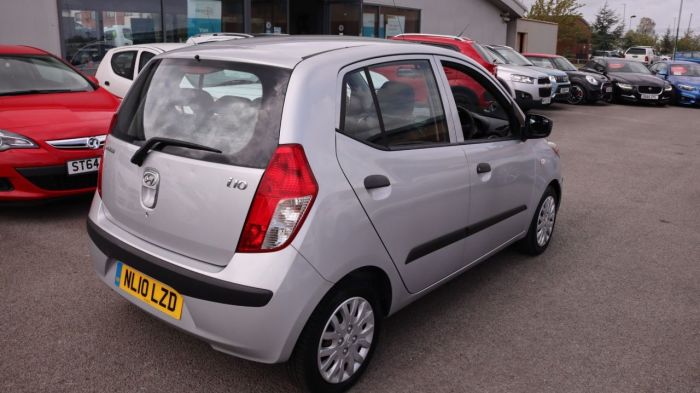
x=280 y=197
x=53 y=124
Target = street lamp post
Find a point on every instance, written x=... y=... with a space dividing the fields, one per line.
x=678 y=30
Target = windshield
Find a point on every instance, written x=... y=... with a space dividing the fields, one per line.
x=627 y=66
x=564 y=64
x=511 y=56
x=37 y=74
x=232 y=107
x=541 y=62
x=685 y=70
x=485 y=54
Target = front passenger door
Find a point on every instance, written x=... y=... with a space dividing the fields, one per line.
x=501 y=166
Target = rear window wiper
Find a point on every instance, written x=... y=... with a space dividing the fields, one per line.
x=157 y=143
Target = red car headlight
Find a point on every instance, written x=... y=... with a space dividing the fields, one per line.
x=10 y=140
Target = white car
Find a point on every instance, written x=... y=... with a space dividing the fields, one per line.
x=642 y=54
x=120 y=66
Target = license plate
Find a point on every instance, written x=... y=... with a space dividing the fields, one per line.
x=564 y=90
x=547 y=100
x=149 y=290
x=608 y=89
x=83 y=166
x=650 y=97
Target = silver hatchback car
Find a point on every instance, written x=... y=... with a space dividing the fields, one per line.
x=279 y=197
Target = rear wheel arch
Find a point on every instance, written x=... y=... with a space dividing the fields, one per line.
x=377 y=277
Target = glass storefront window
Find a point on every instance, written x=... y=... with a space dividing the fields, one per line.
x=386 y=22
x=268 y=16
x=345 y=18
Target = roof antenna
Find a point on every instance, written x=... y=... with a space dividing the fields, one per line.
x=463 y=30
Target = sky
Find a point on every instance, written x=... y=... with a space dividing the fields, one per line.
x=663 y=12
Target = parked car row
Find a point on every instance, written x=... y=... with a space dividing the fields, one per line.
x=268 y=204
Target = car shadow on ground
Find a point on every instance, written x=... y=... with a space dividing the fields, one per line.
x=46 y=210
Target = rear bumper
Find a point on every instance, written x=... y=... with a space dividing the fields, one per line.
x=244 y=309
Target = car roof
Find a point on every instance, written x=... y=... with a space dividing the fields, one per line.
x=547 y=55
x=434 y=36
x=288 y=51
x=20 y=50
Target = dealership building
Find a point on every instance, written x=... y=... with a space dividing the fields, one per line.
x=70 y=27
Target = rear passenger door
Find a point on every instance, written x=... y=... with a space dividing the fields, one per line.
x=123 y=68
x=501 y=166
x=396 y=146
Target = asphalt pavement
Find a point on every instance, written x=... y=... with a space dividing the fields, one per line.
x=612 y=306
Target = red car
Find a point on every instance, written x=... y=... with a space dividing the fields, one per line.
x=465 y=46
x=53 y=125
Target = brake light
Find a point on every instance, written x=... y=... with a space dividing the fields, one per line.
x=646 y=59
x=281 y=203
x=102 y=160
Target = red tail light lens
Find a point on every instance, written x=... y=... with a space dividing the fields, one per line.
x=281 y=203
x=102 y=160
x=646 y=59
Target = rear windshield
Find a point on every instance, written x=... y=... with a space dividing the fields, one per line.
x=232 y=107
x=636 y=51
x=38 y=74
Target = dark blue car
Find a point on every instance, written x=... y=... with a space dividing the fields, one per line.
x=685 y=78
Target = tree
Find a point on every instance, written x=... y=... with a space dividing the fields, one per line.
x=647 y=26
x=566 y=14
x=606 y=29
x=689 y=42
x=665 y=44
x=634 y=38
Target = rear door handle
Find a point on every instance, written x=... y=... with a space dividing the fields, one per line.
x=483 y=168
x=376 y=181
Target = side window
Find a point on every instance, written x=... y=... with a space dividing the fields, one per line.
x=145 y=57
x=662 y=68
x=481 y=115
x=123 y=63
x=394 y=105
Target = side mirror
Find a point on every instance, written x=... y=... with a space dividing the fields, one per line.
x=536 y=127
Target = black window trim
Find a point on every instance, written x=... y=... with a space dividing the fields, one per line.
x=365 y=69
x=133 y=63
x=513 y=120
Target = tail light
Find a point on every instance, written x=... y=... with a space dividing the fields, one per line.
x=102 y=160
x=646 y=59
x=281 y=203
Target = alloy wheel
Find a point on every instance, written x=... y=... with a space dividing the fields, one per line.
x=576 y=95
x=545 y=221
x=346 y=340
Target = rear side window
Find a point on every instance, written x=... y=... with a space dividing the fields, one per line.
x=394 y=106
x=232 y=107
x=123 y=63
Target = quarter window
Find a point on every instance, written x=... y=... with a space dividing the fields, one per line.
x=394 y=106
x=145 y=57
x=123 y=63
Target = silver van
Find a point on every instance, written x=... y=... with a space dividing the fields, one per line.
x=279 y=197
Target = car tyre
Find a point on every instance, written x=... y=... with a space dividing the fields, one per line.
x=578 y=95
x=541 y=229
x=321 y=348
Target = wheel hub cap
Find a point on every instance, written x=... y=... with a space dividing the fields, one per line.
x=346 y=340
x=545 y=221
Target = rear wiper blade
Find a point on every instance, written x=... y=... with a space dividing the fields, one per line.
x=157 y=143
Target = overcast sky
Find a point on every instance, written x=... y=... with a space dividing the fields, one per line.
x=663 y=12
